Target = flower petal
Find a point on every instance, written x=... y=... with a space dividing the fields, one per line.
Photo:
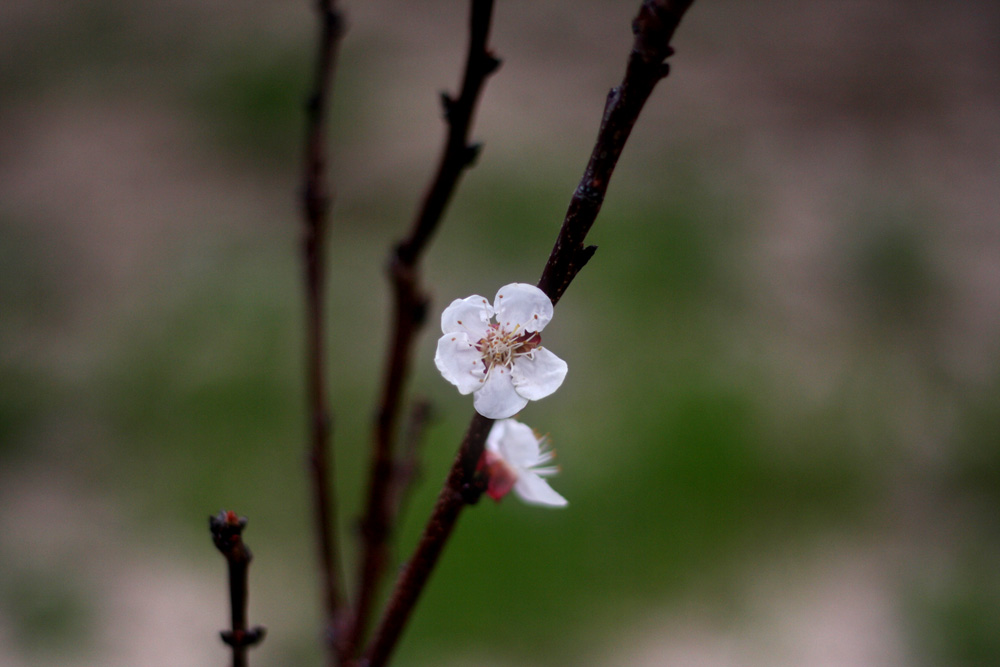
x=524 y=304
x=496 y=397
x=471 y=314
x=538 y=375
x=496 y=435
x=459 y=362
x=519 y=445
x=534 y=490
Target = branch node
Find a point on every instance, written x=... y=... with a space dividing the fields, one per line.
x=419 y=312
x=473 y=490
x=244 y=638
x=591 y=193
x=312 y=103
x=490 y=63
x=448 y=103
x=333 y=20
x=654 y=26
x=470 y=153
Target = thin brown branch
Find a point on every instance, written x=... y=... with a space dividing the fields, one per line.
x=653 y=27
x=227 y=529
x=316 y=205
x=460 y=489
x=409 y=310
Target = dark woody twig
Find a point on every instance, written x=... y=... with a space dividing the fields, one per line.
x=316 y=205
x=653 y=27
x=460 y=489
x=227 y=531
x=409 y=310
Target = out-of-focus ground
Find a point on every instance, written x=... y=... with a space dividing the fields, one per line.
x=779 y=435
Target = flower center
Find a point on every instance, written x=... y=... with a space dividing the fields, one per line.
x=500 y=348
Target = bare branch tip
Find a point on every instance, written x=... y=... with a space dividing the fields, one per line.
x=226 y=528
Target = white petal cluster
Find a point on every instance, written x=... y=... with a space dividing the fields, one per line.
x=501 y=362
x=514 y=458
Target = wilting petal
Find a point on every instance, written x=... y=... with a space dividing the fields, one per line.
x=523 y=304
x=513 y=454
x=534 y=490
x=460 y=362
x=538 y=376
x=471 y=314
x=496 y=397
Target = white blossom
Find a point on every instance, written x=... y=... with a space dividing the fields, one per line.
x=513 y=459
x=501 y=362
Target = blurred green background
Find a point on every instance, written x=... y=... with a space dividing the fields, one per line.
x=779 y=432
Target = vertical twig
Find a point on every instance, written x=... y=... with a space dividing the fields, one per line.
x=227 y=531
x=316 y=205
x=409 y=310
x=653 y=27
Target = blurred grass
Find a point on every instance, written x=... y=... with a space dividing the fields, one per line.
x=251 y=102
x=32 y=302
x=55 y=613
x=955 y=619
